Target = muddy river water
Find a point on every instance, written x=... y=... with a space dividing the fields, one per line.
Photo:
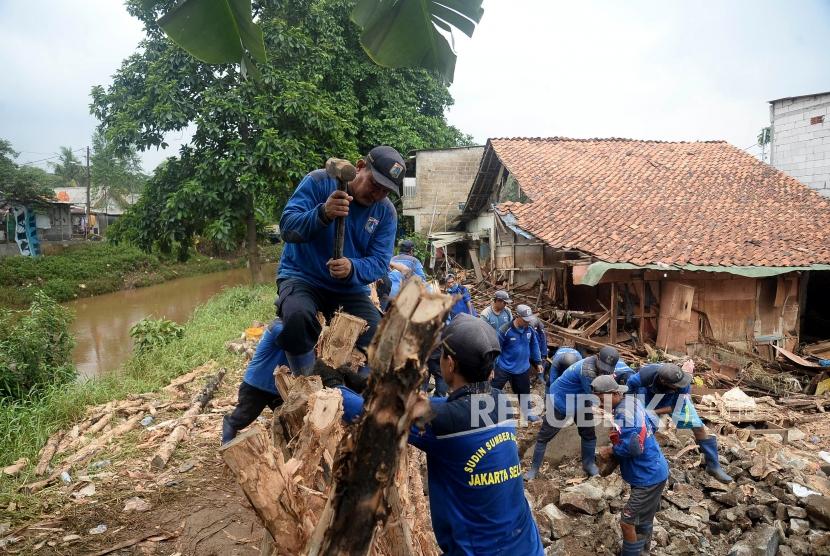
x=102 y=323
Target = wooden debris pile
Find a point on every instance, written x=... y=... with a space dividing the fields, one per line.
x=322 y=488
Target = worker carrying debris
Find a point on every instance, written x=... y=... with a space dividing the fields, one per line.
x=464 y=303
x=258 y=388
x=519 y=351
x=498 y=313
x=665 y=388
x=309 y=278
x=642 y=464
x=570 y=398
x=476 y=495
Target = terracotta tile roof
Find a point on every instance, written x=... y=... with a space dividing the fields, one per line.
x=702 y=203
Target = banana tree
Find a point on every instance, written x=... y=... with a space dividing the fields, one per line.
x=394 y=33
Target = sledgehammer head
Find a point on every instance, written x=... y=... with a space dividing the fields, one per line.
x=340 y=169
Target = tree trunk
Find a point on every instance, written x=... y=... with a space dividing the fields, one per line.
x=338 y=338
x=48 y=452
x=250 y=239
x=369 y=459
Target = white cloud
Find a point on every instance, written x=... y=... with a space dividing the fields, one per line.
x=641 y=68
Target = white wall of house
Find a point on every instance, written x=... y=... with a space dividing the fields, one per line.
x=801 y=139
x=443 y=179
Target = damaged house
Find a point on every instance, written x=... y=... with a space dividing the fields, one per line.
x=682 y=245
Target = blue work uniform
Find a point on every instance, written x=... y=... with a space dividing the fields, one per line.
x=309 y=240
x=518 y=347
x=644 y=384
x=641 y=461
x=461 y=305
x=557 y=357
x=267 y=357
x=412 y=263
x=476 y=492
x=573 y=382
x=497 y=320
x=542 y=339
x=622 y=372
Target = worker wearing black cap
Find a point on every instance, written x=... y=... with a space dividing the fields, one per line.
x=665 y=388
x=570 y=397
x=476 y=495
x=309 y=279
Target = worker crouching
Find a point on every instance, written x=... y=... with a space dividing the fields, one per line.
x=642 y=464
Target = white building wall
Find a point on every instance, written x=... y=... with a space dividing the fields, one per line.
x=801 y=141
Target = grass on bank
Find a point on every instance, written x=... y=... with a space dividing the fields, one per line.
x=26 y=425
x=89 y=269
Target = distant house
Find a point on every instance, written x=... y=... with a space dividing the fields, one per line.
x=435 y=196
x=103 y=210
x=674 y=243
x=801 y=139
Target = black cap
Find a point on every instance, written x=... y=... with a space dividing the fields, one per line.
x=406 y=246
x=387 y=166
x=607 y=359
x=469 y=340
x=673 y=375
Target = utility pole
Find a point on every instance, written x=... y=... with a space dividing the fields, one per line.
x=88 y=184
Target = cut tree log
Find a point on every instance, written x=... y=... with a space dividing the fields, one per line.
x=176 y=384
x=165 y=451
x=338 y=339
x=288 y=417
x=91 y=426
x=48 y=452
x=16 y=467
x=368 y=461
x=267 y=483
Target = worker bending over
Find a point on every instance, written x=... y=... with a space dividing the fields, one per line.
x=258 y=387
x=476 y=495
x=570 y=398
x=642 y=464
x=309 y=279
x=519 y=351
x=405 y=258
x=562 y=359
x=665 y=389
x=464 y=303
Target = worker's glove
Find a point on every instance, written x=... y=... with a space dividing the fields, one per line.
x=355 y=382
x=614 y=435
x=332 y=378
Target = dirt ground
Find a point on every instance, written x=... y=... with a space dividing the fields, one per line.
x=196 y=506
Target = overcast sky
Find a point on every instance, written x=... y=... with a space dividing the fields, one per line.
x=656 y=69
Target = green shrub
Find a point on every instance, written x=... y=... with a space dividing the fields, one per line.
x=35 y=348
x=149 y=334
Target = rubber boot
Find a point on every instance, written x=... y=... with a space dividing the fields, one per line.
x=589 y=456
x=228 y=432
x=301 y=364
x=709 y=447
x=632 y=548
x=538 y=458
x=644 y=532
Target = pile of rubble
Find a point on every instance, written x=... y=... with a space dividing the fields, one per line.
x=778 y=504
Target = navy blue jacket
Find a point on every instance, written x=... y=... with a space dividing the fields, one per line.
x=518 y=346
x=557 y=358
x=309 y=241
x=542 y=339
x=641 y=461
x=574 y=382
x=476 y=492
x=267 y=357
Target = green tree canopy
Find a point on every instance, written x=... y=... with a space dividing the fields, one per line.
x=69 y=169
x=116 y=175
x=22 y=184
x=319 y=95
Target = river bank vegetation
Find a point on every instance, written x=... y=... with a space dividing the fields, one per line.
x=94 y=268
x=25 y=424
